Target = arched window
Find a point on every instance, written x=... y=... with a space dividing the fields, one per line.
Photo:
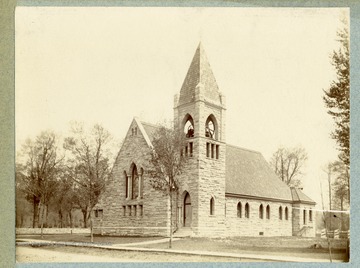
x=310 y=214
x=212 y=206
x=280 y=213
x=268 y=212
x=127 y=185
x=304 y=216
x=134 y=182
x=261 y=212
x=141 y=182
x=247 y=211
x=239 y=212
x=188 y=126
x=211 y=127
x=286 y=213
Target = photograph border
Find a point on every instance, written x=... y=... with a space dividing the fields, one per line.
x=7 y=114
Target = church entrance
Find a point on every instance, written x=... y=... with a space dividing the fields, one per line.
x=187 y=211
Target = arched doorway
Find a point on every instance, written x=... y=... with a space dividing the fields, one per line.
x=187 y=210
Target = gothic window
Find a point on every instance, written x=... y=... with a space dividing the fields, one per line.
x=207 y=149
x=280 y=213
x=141 y=182
x=189 y=126
x=268 y=212
x=217 y=151
x=212 y=206
x=190 y=149
x=141 y=210
x=239 y=210
x=247 y=211
x=210 y=127
x=286 y=213
x=127 y=185
x=261 y=212
x=134 y=182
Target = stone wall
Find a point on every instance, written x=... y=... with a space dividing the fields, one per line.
x=147 y=214
x=303 y=227
x=254 y=225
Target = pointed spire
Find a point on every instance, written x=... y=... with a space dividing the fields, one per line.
x=199 y=75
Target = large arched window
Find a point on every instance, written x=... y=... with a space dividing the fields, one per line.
x=247 y=211
x=127 y=185
x=239 y=212
x=280 y=213
x=286 y=213
x=211 y=127
x=261 y=212
x=268 y=212
x=212 y=206
x=141 y=182
x=188 y=124
x=134 y=182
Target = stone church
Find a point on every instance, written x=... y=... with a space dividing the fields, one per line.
x=225 y=190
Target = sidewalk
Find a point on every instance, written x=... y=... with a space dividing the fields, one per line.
x=126 y=247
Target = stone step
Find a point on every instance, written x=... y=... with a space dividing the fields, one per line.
x=183 y=232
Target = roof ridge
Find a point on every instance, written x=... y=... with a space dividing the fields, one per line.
x=296 y=193
x=242 y=148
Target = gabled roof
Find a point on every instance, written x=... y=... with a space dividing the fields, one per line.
x=248 y=174
x=199 y=74
x=299 y=197
x=150 y=129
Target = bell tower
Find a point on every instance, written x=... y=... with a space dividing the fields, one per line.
x=199 y=111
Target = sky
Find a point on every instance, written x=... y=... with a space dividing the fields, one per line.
x=108 y=64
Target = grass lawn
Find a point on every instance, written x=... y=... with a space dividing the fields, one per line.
x=279 y=246
x=86 y=238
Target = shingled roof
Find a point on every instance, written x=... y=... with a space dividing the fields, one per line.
x=199 y=74
x=150 y=129
x=299 y=197
x=248 y=174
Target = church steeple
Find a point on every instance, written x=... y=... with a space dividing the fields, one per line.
x=199 y=81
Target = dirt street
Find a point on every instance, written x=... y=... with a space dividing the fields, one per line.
x=77 y=254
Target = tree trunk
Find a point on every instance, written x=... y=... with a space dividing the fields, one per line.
x=47 y=214
x=61 y=218
x=171 y=216
x=36 y=202
x=84 y=212
x=71 y=219
x=42 y=219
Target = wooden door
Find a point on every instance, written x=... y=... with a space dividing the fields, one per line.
x=187 y=211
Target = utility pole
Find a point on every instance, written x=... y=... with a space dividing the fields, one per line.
x=329 y=183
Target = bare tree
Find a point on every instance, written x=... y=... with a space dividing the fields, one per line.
x=38 y=166
x=88 y=166
x=288 y=163
x=166 y=165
